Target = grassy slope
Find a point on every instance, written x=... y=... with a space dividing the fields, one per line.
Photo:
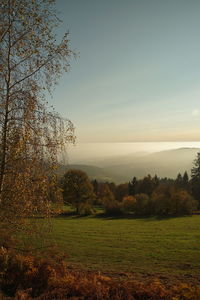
x=169 y=246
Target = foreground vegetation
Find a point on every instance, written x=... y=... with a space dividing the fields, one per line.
x=151 y=245
x=24 y=277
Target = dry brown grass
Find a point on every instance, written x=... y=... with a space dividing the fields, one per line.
x=25 y=277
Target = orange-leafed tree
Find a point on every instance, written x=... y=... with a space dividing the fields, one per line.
x=31 y=134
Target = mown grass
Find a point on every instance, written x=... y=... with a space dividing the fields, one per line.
x=151 y=246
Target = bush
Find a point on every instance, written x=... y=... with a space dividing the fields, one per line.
x=86 y=209
x=109 y=203
x=161 y=202
x=182 y=203
x=113 y=208
x=170 y=201
x=129 y=204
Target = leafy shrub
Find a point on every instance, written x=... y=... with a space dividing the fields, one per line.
x=86 y=209
x=182 y=203
x=170 y=201
x=109 y=203
x=161 y=201
x=113 y=207
x=129 y=204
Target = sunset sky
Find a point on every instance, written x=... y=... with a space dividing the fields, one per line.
x=137 y=75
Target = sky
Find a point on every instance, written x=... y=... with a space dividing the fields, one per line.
x=136 y=77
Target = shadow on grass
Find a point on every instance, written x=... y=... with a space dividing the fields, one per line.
x=66 y=214
x=133 y=217
x=72 y=214
x=126 y=217
x=105 y=216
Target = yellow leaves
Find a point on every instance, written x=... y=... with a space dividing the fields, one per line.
x=33 y=134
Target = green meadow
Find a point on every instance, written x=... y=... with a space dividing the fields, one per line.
x=145 y=246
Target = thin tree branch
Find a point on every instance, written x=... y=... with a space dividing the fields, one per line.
x=5 y=32
x=33 y=73
x=22 y=61
x=23 y=35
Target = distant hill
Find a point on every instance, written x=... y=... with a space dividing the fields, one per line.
x=92 y=171
x=165 y=164
x=122 y=168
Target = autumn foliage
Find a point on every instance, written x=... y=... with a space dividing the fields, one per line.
x=26 y=277
x=31 y=61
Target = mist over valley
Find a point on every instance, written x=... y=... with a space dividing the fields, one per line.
x=123 y=165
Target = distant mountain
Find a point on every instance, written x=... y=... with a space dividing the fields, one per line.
x=165 y=164
x=92 y=171
x=123 y=168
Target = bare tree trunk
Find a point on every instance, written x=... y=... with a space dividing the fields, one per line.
x=4 y=147
x=5 y=126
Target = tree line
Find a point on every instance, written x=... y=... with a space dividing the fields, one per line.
x=148 y=196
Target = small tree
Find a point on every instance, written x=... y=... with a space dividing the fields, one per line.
x=110 y=204
x=179 y=181
x=132 y=186
x=185 y=181
x=122 y=190
x=77 y=189
x=129 y=204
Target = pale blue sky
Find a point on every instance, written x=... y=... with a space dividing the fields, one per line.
x=138 y=74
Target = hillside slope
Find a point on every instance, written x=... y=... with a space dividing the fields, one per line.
x=122 y=168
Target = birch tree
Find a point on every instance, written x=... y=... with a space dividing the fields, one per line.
x=31 y=134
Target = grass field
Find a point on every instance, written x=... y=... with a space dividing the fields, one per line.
x=167 y=246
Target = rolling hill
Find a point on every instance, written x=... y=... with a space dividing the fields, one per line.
x=92 y=171
x=122 y=168
x=165 y=164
